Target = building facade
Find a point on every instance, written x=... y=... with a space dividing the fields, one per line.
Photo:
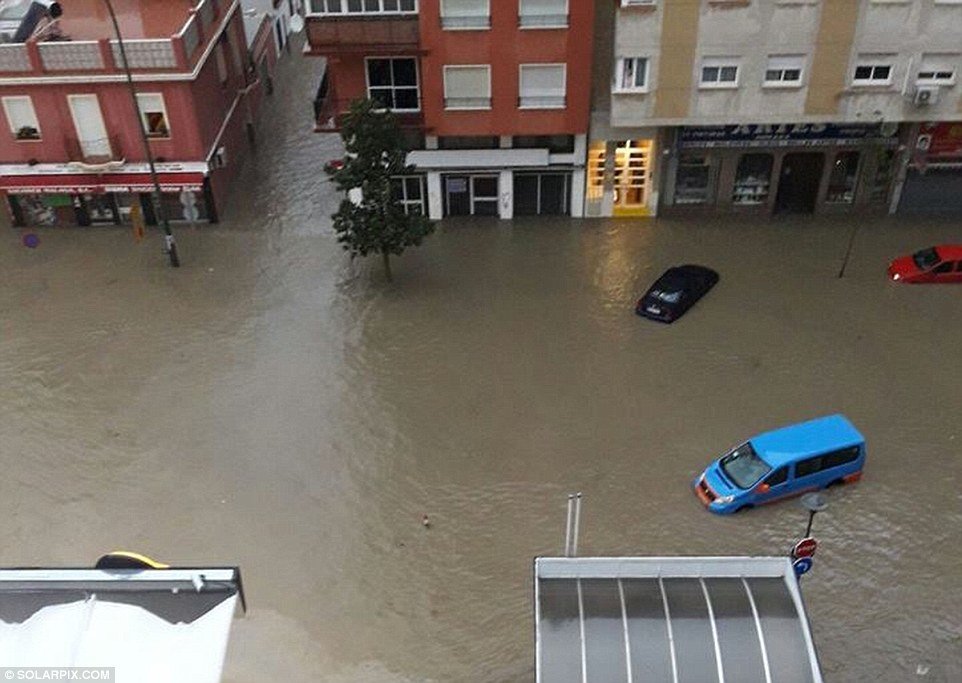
x=495 y=95
x=772 y=106
x=71 y=151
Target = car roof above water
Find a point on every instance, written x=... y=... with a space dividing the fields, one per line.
x=782 y=446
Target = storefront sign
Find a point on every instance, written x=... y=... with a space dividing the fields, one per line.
x=941 y=139
x=789 y=135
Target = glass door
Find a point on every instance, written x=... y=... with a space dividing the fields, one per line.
x=484 y=195
x=632 y=163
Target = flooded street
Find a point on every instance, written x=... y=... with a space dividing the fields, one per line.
x=273 y=405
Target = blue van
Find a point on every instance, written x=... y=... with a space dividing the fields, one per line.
x=782 y=463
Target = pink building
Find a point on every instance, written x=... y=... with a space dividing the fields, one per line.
x=71 y=152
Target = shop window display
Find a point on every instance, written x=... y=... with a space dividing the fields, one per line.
x=841 y=183
x=693 y=180
x=753 y=179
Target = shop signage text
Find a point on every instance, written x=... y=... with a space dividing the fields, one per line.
x=789 y=135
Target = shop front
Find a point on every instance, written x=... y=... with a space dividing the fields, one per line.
x=933 y=183
x=57 y=195
x=783 y=168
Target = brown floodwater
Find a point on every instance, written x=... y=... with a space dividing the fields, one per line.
x=274 y=405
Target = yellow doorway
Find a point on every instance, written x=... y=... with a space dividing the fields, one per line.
x=632 y=181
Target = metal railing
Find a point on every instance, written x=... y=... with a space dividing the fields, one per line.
x=94 y=151
x=466 y=22
x=543 y=20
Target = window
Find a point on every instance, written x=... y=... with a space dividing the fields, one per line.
x=719 y=72
x=778 y=477
x=543 y=13
x=945 y=267
x=937 y=70
x=362 y=6
x=752 y=179
x=873 y=72
x=632 y=74
x=556 y=144
x=542 y=86
x=694 y=179
x=465 y=14
x=469 y=142
x=467 y=87
x=22 y=117
x=408 y=191
x=810 y=466
x=784 y=71
x=841 y=457
x=393 y=83
x=153 y=114
x=841 y=182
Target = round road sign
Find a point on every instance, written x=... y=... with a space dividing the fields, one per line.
x=805 y=548
x=802 y=565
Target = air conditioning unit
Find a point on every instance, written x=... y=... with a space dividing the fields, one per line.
x=925 y=95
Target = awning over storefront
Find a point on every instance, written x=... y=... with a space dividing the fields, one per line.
x=148 y=625
x=672 y=620
x=478 y=158
x=73 y=179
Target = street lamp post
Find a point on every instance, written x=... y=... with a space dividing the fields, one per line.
x=813 y=502
x=170 y=246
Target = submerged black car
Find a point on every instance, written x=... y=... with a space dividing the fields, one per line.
x=677 y=290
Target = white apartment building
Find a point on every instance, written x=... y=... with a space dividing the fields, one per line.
x=771 y=106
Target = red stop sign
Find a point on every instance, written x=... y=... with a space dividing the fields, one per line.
x=805 y=548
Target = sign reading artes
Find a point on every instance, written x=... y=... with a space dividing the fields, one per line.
x=790 y=135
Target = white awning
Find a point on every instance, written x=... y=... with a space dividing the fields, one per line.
x=149 y=625
x=478 y=158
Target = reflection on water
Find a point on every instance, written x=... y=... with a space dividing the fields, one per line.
x=275 y=405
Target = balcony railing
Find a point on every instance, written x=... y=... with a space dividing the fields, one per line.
x=94 y=151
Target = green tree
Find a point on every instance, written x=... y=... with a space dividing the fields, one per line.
x=370 y=220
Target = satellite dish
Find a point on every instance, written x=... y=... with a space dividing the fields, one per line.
x=297 y=23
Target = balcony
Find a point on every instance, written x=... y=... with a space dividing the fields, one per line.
x=330 y=109
x=94 y=152
x=361 y=34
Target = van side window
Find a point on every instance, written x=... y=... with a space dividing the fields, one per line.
x=810 y=466
x=777 y=477
x=842 y=457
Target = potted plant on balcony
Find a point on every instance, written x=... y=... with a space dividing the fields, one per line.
x=28 y=133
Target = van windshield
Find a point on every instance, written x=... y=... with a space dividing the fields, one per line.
x=744 y=467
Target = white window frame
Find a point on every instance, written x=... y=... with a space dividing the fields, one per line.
x=143 y=114
x=874 y=63
x=391 y=58
x=404 y=201
x=537 y=25
x=618 y=86
x=564 y=79
x=719 y=63
x=781 y=64
x=482 y=22
x=14 y=129
x=638 y=3
x=321 y=8
x=449 y=67
x=942 y=63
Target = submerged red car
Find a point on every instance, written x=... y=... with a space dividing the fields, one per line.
x=935 y=264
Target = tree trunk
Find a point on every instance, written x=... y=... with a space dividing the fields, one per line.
x=387 y=265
